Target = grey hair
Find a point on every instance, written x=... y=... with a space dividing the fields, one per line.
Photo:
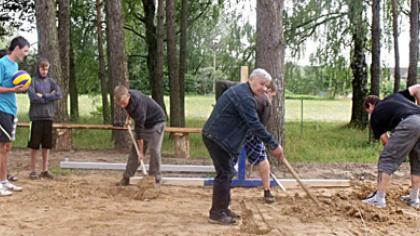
x=260 y=73
x=119 y=92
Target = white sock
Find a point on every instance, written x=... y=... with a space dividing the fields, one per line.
x=414 y=193
x=380 y=196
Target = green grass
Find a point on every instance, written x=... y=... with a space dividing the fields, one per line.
x=324 y=137
x=329 y=142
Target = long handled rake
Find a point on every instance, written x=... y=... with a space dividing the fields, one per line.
x=293 y=172
x=136 y=147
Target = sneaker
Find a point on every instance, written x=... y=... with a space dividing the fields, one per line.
x=411 y=202
x=12 y=178
x=11 y=187
x=222 y=219
x=46 y=174
x=371 y=200
x=268 y=197
x=4 y=192
x=232 y=214
x=123 y=182
x=33 y=175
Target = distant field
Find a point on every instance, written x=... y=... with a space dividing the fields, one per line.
x=199 y=107
x=323 y=137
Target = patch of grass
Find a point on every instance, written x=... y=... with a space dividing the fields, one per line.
x=92 y=139
x=329 y=142
x=57 y=171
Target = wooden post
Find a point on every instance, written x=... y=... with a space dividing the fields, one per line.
x=244 y=74
x=182 y=145
x=62 y=139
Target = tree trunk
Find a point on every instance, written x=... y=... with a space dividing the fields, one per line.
x=359 y=117
x=101 y=70
x=397 y=76
x=183 y=60
x=375 y=69
x=175 y=103
x=157 y=86
x=414 y=43
x=156 y=82
x=64 y=41
x=117 y=66
x=74 y=94
x=45 y=13
x=270 y=46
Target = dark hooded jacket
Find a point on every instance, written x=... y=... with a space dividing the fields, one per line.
x=42 y=108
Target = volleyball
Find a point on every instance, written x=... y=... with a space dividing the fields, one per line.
x=22 y=78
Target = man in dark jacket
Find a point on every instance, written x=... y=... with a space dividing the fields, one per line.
x=233 y=118
x=149 y=127
x=400 y=115
x=43 y=93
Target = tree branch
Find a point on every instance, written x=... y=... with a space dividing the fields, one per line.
x=131 y=29
x=311 y=28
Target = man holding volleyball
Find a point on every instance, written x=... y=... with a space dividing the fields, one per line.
x=18 y=50
x=43 y=93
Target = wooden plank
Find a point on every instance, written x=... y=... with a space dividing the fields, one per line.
x=179 y=181
x=288 y=183
x=182 y=130
x=121 y=166
x=110 y=127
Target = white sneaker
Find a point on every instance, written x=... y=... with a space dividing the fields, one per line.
x=11 y=187
x=4 y=192
x=411 y=202
x=371 y=200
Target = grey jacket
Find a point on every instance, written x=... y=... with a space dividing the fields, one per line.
x=42 y=108
x=145 y=112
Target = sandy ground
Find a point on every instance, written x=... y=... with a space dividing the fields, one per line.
x=88 y=203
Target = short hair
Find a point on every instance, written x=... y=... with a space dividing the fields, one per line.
x=43 y=62
x=119 y=92
x=20 y=42
x=371 y=99
x=260 y=73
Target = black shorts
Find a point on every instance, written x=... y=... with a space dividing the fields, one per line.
x=7 y=127
x=41 y=134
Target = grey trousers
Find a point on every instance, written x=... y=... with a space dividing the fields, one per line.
x=405 y=140
x=152 y=139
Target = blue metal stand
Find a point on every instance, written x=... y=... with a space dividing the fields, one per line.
x=240 y=180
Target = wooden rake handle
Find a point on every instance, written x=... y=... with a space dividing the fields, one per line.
x=143 y=168
x=293 y=172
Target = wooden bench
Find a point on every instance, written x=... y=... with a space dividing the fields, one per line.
x=64 y=139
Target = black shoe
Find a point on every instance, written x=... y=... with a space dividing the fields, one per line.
x=157 y=179
x=232 y=214
x=268 y=197
x=222 y=219
x=123 y=182
x=46 y=174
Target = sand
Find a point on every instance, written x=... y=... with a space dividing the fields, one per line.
x=89 y=203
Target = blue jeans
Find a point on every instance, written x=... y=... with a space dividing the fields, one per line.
x=224 y=165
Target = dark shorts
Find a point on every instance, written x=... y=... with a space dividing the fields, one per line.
x=255 y=150
x=40 y=134
x=7 y=127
